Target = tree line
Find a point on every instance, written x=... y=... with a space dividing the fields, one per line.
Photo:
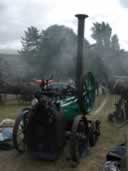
x=52 y=52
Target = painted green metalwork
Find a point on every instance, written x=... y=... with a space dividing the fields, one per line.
x=70 y=104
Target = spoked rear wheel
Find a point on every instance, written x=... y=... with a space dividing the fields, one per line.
x=89 y=88
x=19 y=131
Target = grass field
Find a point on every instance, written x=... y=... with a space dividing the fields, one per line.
x=110 y=135
x=10 y=110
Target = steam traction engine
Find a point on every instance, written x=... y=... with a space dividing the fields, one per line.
x=55 y=117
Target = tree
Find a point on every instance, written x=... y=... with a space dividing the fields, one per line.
x=101 y=32
x=107 y=48
x=5 y=71
x=115 y=43
x=50 y=51
x=30 y=43
x=57 y=48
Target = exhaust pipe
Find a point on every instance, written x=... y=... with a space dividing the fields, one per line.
x=79 y=59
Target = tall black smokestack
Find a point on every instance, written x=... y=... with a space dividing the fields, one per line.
x=79 y=58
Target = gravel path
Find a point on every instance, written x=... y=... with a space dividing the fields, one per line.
x=98 y=110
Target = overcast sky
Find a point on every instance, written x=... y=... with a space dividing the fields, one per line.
x=17 y=15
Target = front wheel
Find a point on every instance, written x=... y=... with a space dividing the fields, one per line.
x=79 y=140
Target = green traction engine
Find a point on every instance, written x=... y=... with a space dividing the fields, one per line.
x=57 y=119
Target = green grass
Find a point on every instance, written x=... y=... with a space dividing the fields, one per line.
x=9 y=110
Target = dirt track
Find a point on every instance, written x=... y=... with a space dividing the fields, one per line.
x=11 y=161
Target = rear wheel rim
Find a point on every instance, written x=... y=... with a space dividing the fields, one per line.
x=19 y=133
